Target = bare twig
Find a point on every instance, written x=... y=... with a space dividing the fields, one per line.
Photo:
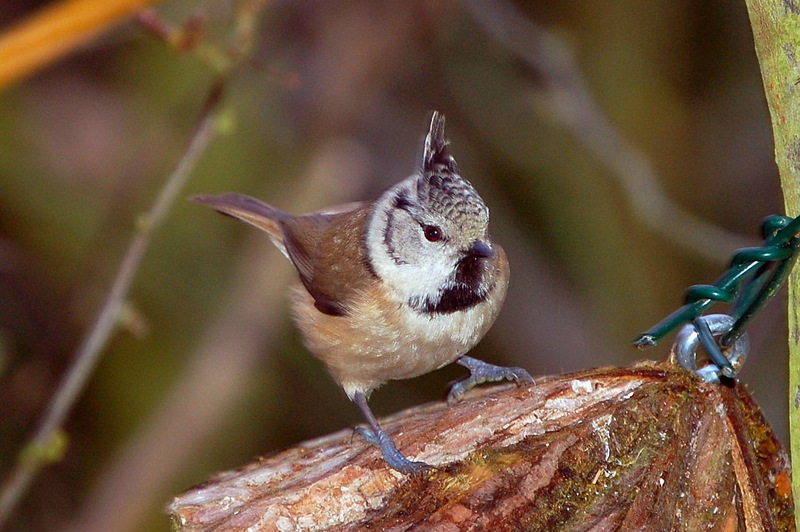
x=579 y=113
x=55 y=30
x=216 y=376
x=48 y=433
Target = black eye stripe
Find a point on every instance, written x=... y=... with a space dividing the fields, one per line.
x=388 y=239
x=402 y=202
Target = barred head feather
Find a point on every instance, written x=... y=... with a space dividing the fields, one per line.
x=442 y=189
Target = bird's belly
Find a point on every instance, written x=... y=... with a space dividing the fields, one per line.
x=380 y=340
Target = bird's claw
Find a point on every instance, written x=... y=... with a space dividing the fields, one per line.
x=481 y=372
x=391 y=455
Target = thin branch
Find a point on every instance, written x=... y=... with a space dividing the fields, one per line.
x=55 y=30
x=577 y=110
x=220 y=372
x=49 y=429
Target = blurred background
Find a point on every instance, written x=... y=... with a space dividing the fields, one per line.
x=623 y=148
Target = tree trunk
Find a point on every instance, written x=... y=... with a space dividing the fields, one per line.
x=777 y=42
x=649 y=447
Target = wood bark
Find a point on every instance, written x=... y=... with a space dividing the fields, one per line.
x=776 y=35
x=645 y=448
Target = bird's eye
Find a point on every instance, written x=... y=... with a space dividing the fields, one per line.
x=432 y=233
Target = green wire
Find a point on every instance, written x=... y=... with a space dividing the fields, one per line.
x=758 y=273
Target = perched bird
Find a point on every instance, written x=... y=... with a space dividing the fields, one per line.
x=394 y=288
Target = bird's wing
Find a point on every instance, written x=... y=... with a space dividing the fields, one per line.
x=329 y=254
x=326 y=247
x=250 y=210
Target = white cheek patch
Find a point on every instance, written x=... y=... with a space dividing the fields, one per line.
x=413 y=281
x=423 y=278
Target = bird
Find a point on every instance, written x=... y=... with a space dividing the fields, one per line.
x=394 y=288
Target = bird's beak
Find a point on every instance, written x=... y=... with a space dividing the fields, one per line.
x=480 y=249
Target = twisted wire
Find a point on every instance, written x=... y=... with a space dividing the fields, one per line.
x=753 y=278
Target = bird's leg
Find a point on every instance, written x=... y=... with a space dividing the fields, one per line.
x=481 y=372
x=377 y=437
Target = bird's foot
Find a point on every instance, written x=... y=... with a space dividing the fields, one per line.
x=376 y=436
x=391 y=455
x=481 y=372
